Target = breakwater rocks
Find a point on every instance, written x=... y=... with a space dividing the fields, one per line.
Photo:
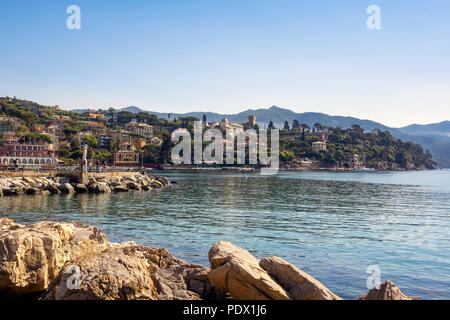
x=70 y=261
x=102 y=184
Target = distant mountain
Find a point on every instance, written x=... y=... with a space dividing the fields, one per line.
x=433 y=137
x=133 y=109
x=82 y=110
x=441 y=128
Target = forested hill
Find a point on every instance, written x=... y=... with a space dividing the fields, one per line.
x=433 y=138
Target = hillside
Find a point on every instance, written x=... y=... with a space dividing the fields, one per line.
x=432 y=137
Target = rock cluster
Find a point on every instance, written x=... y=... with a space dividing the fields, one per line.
x=236 y=271
x=42 y=260
x=56 y=185
x=70 y=261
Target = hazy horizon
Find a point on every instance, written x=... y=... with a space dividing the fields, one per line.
x=229 y=56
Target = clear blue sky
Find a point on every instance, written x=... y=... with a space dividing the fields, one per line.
x=230 y=55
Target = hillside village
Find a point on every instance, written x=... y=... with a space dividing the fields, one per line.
x=39 y=137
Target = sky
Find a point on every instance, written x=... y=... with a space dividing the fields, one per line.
x=227 y=56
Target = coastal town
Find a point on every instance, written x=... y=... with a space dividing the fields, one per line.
x=36 y=137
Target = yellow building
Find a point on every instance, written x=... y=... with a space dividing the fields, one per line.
x=156 y=140
x=126 y=156
x=138 y=142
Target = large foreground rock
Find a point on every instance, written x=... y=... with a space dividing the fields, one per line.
x=244 y=277
x=131 y=272
x=387 y=291
x=299 y=284
x=32 y=256
x=115 y=274
x=176 y=279
x=236 y=271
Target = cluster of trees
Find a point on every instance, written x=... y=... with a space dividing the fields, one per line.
x=379 y=147
x=31 y=113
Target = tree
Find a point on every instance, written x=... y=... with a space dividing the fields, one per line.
x=166 y=148
x=318 y=126
x=151 y=153
x=36 y=138
x=271 y=126
x=286 y=126
x=91 y=141
x=295 y=124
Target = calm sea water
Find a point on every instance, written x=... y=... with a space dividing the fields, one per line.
x=332 y=225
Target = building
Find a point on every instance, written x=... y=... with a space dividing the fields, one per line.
x=138 y=142
x=354 y=160
x=104 y=141
x=8 y=124
x=322 y=136
x=11 y=136
x=60 y=121
x=40 y=128
x=250 y=124
x=92 y=115
x=126 y=156
x=140 y=128
x=26 y=154
x=225 y=124
x=118 y=136
x=252 y=121
x=94 y=127
x=156 y=141
x=319 y=146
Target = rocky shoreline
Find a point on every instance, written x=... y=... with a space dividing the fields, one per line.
x=70 y=261
x=102 y=184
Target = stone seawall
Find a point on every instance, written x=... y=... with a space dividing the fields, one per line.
x=98 y=183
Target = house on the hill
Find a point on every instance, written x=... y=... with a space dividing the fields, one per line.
x=126 y=156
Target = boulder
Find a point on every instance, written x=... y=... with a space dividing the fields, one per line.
x=32 y=182
x=80 y=188
x=66 y=188
x=9 y=224
x=184 y=282
x=115 y=274
x=176 y=279
x=31 y=191
x=52 y=188
x=32 y=256
x=299 y=284
x=236 y=271
x=13 y=191
x=387 y=291
x=130 y=178
x=133 y=185
x=156 y=184
x=99 y=187
x=120 y=188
